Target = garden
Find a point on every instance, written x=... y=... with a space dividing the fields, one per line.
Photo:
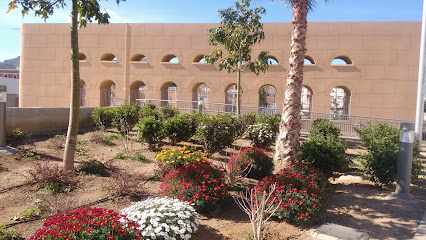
x=154 y=173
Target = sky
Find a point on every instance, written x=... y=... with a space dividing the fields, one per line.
x=206 y=11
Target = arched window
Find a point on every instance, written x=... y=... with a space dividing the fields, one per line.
x=308 y=60
x=107 y=93
x=231 y=98
x=340 y=100
x=137 y=91
x=267 y=99
x=199 y=59
x=272 y=60
x=138 y=58
x=82 y=57
x=82 y=93
x=200 y=92
x=169 y=94
x=341 y=60
x=306 y=100
x=170 y=58
x=109 y=57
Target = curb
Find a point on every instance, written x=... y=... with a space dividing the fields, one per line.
x=421 y=229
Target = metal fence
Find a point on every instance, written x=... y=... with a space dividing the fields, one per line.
x=348 y=124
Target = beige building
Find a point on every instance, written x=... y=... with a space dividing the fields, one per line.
x=369 y=67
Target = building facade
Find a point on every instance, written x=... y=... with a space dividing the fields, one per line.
x=359 y=68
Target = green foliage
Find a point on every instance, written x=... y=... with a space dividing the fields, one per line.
x=148 y=110
x=272 y=120
x=252 y=162
x=103 y=117
x=140 y=157
x=94 y=167
x=180 y=128
x=81 y=148
x=105 y=139
x=150 y=130
x=125 y=117
x=261 y=135
x=247 y=119
x=33 y=212
x=381 y=161
x=417 y=168
x=16 y=135
x=167 y=112
x=216 y=133
x=9 y=235
x=175 y=157
x=324 y=127
x=120 y=155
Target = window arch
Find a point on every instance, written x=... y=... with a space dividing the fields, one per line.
x=137 y=91
x=341 y=60
x=170 y=58
x=169 y=94
x=340 y=102
x=82 y=93
x=308 y=60
x=108 y=57
x=200 y=92
x=82 y=57
x=107 y=93
x=306 y=100
x=267 y=99
x=199 y=59
x=272 y=60
x=138 y=58
x=231 y=98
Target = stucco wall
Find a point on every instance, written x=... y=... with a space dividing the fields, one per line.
x=41 y=120
x=382 y=80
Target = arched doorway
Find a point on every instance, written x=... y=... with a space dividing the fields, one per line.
x=169 y=94
x=200 y=92
x=306 y=101
x=340 y=100
x=231 y=99
x=267 y=99
x=107 y=93
x=82 y=93
x=137 y=91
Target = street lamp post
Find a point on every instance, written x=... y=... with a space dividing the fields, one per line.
x=3 y=97
x=421 y=80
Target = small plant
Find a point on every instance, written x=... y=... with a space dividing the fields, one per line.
x=324 y=127
x=81 y=149
x=151 y=131
x=16 y=136
x=179 y=128
x=216 y=133
x=103 y=118
x=33 y=212
x=261 y=135
x=302 y=191
x=120 y=155
x=198 y=183
x=140 y=157
x=125 y=117
x=259 y=208
x=175 y=157
x=167 y=112
x=9 y=235
x=164 y=218
x=105 y=139
x=88 y=223
x=93 y=167
x=31 y=154
x=124 y=184
x=252 y=162
x=51 y=177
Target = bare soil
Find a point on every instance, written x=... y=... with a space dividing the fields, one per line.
x=355 y=203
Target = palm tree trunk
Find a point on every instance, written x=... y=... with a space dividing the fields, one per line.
x=288 y=137
x=75 y=93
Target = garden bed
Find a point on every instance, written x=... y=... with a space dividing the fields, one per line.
x=354 y=203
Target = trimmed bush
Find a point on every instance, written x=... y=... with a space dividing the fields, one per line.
x=103 y=118
x=301 y=189
x=180 y=128
x=325 y=128
x=216 y=133
x=125 y=117
x=198 y=183
x=272 y=120
x=252 y=162
x=88 y=223
x=261 y=135
x=150 y=130
x=164 y=218
x=149 y=110
x=167 y=112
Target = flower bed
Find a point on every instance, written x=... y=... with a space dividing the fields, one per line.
x=252 y=162
x=164 y=218
x=172 y=158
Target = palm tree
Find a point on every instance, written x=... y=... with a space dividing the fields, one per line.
x=288 y=138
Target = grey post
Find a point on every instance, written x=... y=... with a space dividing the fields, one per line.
x=3 y=98
x=405 y=159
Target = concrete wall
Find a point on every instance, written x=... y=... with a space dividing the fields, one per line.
x=381 y=80
x=41 y=120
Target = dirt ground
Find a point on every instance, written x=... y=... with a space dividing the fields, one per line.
x=355 y=203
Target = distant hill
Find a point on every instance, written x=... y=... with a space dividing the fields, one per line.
x=11 y=62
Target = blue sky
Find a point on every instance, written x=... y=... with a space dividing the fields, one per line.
x=193 y=11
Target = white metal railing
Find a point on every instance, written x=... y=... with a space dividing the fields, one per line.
x=348 y=124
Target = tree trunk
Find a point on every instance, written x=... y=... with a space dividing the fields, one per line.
x=75 y=93
x=288 y=138
x=238 y=89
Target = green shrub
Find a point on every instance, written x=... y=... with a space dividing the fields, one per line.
x=9 y=235
x=179 y=128
x=103 y=117
x=149 y=110
x=216 y=133
x=150 y=130
x=324 y=127
x=16 y=135
x=272 y=120
x=248 y=119
x=252 y=162
x=120 y=155
x=105 y=139
x=139 y=157
x=325 y=153
x=261 y=135
x=33 y=212
x=416 y=168
x=125 y=117
x=167 y=112
x=94 y=167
